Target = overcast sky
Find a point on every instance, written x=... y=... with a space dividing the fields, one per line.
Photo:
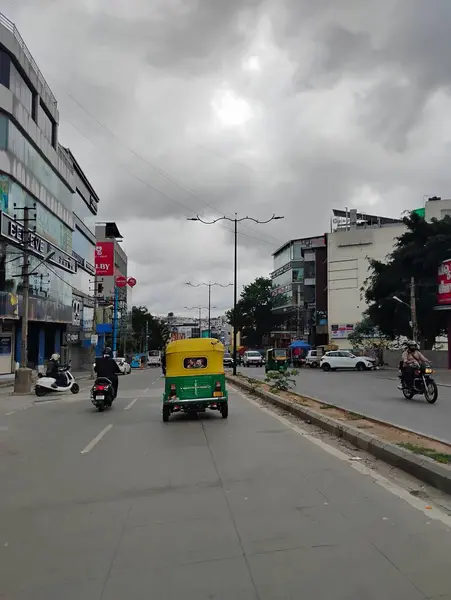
x=179 y=107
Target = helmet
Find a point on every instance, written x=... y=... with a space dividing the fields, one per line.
x=412 y=345
x=107 y=351
x=55 y=356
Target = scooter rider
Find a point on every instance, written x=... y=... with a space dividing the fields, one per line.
x=107 y=367
x=410 y=358
x=53 y=370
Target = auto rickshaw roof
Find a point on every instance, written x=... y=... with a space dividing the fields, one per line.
x=196 y=345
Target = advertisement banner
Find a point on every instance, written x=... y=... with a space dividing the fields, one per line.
x=338 y=332
x=444 y=283
x=104 y=259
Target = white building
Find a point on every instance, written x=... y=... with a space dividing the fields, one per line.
x=355 y=239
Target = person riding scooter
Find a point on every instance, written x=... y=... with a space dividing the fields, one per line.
x=411 y=357
x=107 y=367
x=53 y=370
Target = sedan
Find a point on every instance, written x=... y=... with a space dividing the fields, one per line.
x=123 y=366
x=228 y=360
x=340 y=359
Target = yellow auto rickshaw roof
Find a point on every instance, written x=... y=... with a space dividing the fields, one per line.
x=194 y=345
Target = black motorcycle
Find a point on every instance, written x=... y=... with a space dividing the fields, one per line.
x=423 y=383
x=102 y=393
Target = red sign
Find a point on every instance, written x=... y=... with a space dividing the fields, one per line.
x=444 y=283
x=121 y=281
x=131 y=281
x=104 y=259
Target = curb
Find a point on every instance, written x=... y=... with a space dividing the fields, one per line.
x=421 y=467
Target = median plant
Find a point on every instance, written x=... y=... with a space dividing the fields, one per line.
x=281 y=381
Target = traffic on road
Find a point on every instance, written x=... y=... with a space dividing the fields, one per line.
x=375 y=394
x=120 y=505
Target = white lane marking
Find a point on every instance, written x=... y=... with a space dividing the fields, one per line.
x=10 y=413
x=387 y=484
x=97 y=439
x=128 y=407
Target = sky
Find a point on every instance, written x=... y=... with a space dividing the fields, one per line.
x=178 y=108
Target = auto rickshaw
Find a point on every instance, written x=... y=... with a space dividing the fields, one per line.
x=195 y=379
x=276 y=359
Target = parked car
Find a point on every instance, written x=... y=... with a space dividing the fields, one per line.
x=228 y=360
x=341 y=359
x=252 y=358
x=124 y=366
x=312 y=359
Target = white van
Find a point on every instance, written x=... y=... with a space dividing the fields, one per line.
x=154 y=358
x=252 y=358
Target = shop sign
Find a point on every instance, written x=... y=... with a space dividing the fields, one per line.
x=104 y=259
x=13 y=231
x=444 y=283
x=338 y=332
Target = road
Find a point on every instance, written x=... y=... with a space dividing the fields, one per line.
x=374 y=394
x=119 y=505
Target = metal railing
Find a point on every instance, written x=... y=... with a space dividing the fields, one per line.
x=13 y=29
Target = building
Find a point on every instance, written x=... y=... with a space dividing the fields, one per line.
x=80 y=331
x=36 y=173
x=299 y=289
x=355 y=239
x=110 y=263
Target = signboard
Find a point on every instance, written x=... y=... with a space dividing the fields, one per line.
x=121 y=281
x=444 y=283
x=131 y=281
x=94 y=340
x=104 y=259
x=13 y=231
x=316 y=242
x=338 y=332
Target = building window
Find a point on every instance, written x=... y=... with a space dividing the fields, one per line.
x=26 y=153
x=45 y=124
x=282 y=258
x=21 y=89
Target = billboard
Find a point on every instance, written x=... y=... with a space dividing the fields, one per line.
x=104 y=259
x=444 y=283
x=339 y=332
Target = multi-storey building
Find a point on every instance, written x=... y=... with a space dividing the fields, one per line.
x=299 y=288
x=35 y=173
x=356 y=238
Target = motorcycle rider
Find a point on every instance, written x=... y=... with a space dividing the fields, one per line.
x=410 y=358
x=107 y=367
x=53 y=370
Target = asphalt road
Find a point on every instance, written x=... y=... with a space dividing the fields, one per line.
x=119 y=505
x=375 y=394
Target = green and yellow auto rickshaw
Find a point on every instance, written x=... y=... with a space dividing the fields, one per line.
x=195 y=379
x=276 y=359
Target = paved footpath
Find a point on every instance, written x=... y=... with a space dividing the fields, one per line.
x=118 y=505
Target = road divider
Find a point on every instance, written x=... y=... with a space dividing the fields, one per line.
x=423 y=457
x=97 y=439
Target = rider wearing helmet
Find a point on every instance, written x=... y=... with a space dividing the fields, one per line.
x=53 y=370
x=410 y=358
x=107 y=367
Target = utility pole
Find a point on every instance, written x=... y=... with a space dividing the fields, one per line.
x=94 y=329
x=22 y=383
x=146 y=343
x=413 y=310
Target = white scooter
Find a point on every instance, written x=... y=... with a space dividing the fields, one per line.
x=46 y=385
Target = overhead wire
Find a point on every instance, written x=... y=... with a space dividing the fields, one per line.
x=160 y=171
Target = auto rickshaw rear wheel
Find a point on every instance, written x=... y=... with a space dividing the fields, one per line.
x=166 y=413
x=225 y=411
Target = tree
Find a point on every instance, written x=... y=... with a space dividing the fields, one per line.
x=158 y=332
x=418 y=253
x=255 y=318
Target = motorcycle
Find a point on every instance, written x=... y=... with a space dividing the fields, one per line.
x=423 y=383
x=102 y=393
x=46 y=385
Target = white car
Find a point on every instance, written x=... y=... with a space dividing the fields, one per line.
x=341 y=359
x=252 y=358
x=123 y=366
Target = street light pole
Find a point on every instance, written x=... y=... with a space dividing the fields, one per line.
x=209 y=285
x=199 y=308
x=235 y=221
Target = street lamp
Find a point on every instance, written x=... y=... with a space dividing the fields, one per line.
x=413 y=316
x=209 y=285
x=235 y=221
x=199 y=308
